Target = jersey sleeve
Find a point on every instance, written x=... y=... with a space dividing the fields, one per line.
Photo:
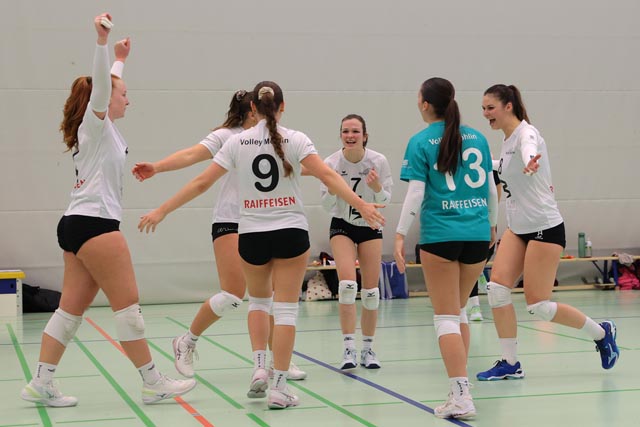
x=227 y=155
x=213 y=142
x=414 y=165
x=303 y=146
x=528 y=145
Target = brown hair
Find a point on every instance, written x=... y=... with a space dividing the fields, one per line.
x=440 y=93
x=239 y=107
x=510 y=94
x=267 y=103
x=361 y=120
x=74 y=109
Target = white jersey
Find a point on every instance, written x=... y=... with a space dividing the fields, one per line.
x=354 y=175
x=226 y=208
x=268 y=200
x=530 y=201
x=99 y=160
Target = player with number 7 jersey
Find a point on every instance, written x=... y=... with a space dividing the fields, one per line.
x=456 y=207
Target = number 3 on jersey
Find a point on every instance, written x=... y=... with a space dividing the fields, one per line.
x=476 y=166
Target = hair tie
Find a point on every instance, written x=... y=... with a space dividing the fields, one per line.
x=240 y=94
x=264 y=90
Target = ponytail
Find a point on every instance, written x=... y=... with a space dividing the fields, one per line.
x=451 y=143
x=239 y=107
x=440 y=94
x=267 y=97
x=74 y=109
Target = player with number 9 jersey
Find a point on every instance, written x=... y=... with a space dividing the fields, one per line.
x=455 y=207
x=268 y=201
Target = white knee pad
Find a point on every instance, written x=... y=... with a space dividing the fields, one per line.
x=446 y=324
x=347 y=290
x=370 y=298
x=62 y=326
x=285 y=313
x=498 y=295
x=260 y=304
x=545 y=310
x=463 y=316
x=129 y=323
x=223 y=301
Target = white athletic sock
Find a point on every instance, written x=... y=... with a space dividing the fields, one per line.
x=473 y=301
x=349 y=341
x=367 y=342
x=149 y=373
x=593 y=329
x=279 y=380
x=459 y=386
x=509 y=350
x=190 y=338
x=44 y=373
x=260 y=359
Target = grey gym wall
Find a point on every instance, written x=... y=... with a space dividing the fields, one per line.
x=576 y=63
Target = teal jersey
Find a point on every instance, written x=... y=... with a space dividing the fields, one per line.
x=455 y=207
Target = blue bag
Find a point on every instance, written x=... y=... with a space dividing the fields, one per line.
x=392 y=283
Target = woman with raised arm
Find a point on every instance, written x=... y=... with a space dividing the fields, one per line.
x=96 y=255
x=273 y=232
x=534 y=238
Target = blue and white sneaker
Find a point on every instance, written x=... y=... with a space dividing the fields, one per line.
x=609 y=353
x=502 y=370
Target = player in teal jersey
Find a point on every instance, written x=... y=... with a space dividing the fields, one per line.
x=449 y=169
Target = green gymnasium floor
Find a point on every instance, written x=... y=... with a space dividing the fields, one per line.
x=565 y=385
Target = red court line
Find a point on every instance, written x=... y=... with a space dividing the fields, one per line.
x=190 y=409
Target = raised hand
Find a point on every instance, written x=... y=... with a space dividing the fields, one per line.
x=372 y=181
x=532 y=166
x=103 y=32
x=121 y=49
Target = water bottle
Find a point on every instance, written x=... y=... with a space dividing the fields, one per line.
x=588 y=250
x=582 y=245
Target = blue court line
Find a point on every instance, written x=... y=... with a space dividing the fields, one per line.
x=379 y=388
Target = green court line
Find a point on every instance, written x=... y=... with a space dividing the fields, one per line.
x=304 y=389
x=42 y=411
x=215 y=389
x=143 y=417
x=564 y=335
x=18 y=425
x=9 y=380
x=257 y=419
x=333 y=405
x=95 y=421
x=577 y=393
x=238 y=355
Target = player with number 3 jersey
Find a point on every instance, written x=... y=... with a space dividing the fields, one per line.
x=449 y=170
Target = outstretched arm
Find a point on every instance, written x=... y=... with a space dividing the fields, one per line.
x=178 y=160
x=193 y=189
